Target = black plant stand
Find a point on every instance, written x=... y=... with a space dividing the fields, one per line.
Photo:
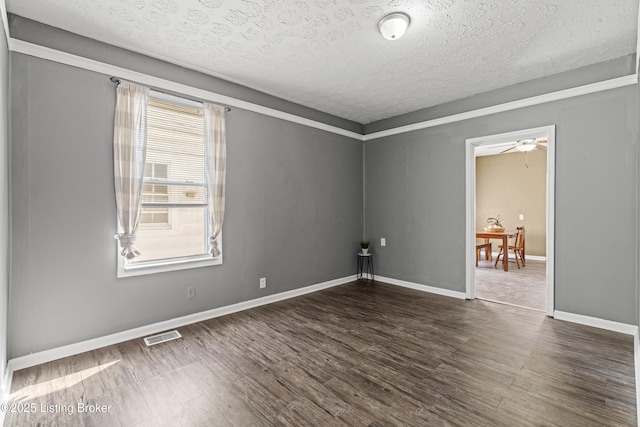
x=365 y=266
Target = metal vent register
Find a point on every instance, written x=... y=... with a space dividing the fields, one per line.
x=160 y=338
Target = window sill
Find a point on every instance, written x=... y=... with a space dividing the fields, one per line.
x=141 y=269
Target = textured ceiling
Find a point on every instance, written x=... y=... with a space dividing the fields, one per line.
x=328 y=55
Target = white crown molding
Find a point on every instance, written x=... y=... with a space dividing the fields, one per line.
x=508 y=106
x=54 y=55
x=45 y=356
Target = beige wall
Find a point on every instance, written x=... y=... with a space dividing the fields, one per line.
x=506 y=187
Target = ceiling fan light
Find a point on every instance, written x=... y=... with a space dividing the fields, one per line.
x=526 y=145
x=394 y=25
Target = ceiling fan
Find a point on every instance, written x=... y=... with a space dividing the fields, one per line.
x=530 y=144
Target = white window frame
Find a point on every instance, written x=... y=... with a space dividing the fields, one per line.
x=126 y=269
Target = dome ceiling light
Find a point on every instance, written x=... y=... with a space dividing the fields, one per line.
x=393 y=26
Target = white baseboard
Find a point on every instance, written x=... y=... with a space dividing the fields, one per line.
x=596 y=322
x=45 y=356
x=423 y=288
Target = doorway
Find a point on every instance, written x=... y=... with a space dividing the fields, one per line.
x=494 y=142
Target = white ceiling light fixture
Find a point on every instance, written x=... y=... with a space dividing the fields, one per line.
x=526 y=145
x=393 y=26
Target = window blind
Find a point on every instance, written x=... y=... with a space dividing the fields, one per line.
x=175 y=137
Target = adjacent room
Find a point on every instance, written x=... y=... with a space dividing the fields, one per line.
x=274 y=212
x=511 y=183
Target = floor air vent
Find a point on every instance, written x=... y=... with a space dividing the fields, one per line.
x=164 y=337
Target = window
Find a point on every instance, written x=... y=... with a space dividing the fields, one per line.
x=173 y=231
x=154 y=192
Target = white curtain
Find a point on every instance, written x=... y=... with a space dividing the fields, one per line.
x=215 y=170
x=129 y=152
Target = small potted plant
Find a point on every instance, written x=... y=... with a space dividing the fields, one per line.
x=495 y=223
x=364 y=244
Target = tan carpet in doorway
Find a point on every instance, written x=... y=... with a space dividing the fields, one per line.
x=525 y=287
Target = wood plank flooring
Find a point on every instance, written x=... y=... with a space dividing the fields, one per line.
x=353 y=355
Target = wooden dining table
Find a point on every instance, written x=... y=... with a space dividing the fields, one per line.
x=502 y=235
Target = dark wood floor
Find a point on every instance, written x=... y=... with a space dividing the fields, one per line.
x=357 y=354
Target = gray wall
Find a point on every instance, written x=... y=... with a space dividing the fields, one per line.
x=4 y=199
x=294 y=202
x=415 y=192
x=294 y=210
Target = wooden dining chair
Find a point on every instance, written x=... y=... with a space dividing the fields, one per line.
x=487 y=251
x=517 y=248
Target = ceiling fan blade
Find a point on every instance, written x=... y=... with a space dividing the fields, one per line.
x=508 y=149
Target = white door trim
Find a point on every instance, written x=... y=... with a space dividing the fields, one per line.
x=548 y=132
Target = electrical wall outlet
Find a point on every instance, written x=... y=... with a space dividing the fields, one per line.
x=191 y=292
x=383 y=242
x=521 y=216
x=263 y=282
